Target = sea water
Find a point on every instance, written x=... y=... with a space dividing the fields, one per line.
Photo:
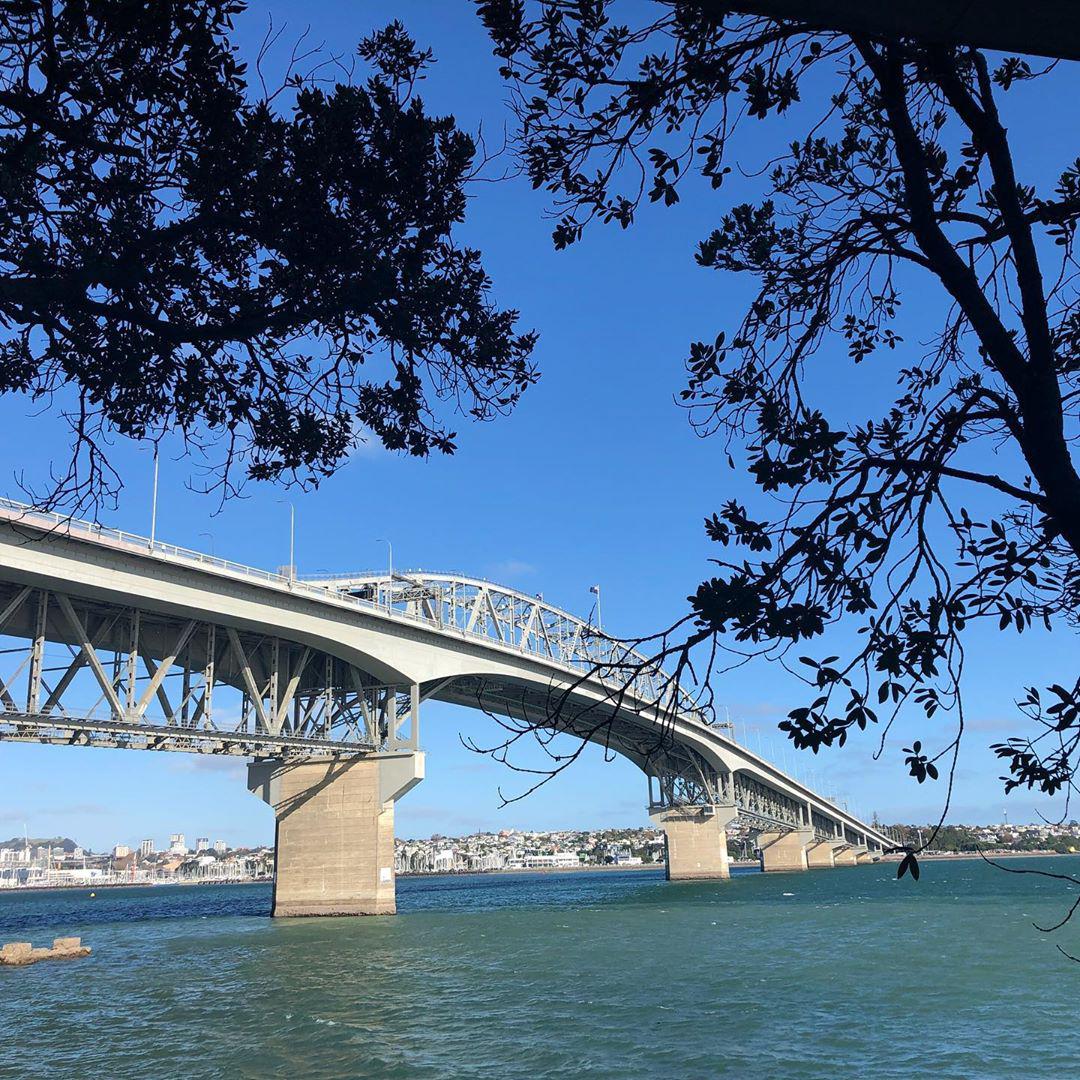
x=842 y=973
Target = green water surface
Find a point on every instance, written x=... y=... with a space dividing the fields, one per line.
x=843 y=973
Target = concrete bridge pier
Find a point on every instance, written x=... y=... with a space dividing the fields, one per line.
x=695 y=841
x=819 y=854
x=334 y=845
x=843 y=854
x=785 y=850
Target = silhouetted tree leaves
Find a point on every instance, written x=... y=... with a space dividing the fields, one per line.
x=919 y=765
x=909 y=864
x=893 y=180
x=270 y=275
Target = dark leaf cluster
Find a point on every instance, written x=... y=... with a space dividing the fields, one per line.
x=274 y=273
x=900 y=183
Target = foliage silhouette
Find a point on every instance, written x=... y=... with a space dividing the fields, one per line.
x=893 y=176
x=272 y=275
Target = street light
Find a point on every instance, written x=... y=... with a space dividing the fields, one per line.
x=292 y=540
x=390 y=571
x=210 y=536
x=153 y=498
x=153 y=508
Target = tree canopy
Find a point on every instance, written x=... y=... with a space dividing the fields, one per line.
x=893 y=179
x=270 y=273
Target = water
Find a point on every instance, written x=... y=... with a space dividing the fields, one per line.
x=847 y=973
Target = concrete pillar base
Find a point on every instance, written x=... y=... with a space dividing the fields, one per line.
x=843 y=854
x=784 y=850
x=819 y=854
x=862 y=855
x=334 y=847
x=696 y=841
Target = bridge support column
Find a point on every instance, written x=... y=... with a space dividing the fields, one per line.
x=334 y=846
x=843 y=854
x=862 y=855
x=820 y=854
x=784 y=850
x=695 y=840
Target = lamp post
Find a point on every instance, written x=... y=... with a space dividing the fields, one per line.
x=595 y=590
x=153 y=496
x=292 y=543
x=153 y=506
x=292 y=539
x=390 y=570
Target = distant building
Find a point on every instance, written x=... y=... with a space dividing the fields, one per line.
x=121 y=851
x=178 y=844
x=146 y=848
x=202 y=844
x=555 y=860
x=220 y=847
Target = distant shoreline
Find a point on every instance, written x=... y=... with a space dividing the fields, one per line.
x=946 y=855
x=127 y=885
x=525 y=870
x=741 y=864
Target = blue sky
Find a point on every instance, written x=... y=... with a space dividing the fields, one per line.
x=595 y=478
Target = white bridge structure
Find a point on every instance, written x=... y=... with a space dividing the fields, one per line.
x=109 y=639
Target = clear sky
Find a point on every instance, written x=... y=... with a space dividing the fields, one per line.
x=596 y=478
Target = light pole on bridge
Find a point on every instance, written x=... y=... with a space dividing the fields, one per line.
x=153 y=507
x=292 y=538
x=153 y=495
x=390 y=568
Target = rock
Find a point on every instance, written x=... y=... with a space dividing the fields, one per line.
x=20 y=953
x=16 y=952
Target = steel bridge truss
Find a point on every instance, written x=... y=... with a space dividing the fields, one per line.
x=471 y=606
x=76 y=672
x=688 y=780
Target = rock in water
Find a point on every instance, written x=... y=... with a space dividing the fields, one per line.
x=20 y=953
x=17 y=952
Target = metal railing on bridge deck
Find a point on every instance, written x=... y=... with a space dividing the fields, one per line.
x=510 y=619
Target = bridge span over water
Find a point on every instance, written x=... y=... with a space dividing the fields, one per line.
x=109 y=639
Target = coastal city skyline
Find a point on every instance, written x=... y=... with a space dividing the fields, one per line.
x=61 y=862
x=182 y=842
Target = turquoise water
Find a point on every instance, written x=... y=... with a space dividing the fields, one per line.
x=844 y=973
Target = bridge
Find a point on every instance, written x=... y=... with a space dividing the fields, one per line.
x=109 y=639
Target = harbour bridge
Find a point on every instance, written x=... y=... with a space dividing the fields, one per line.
x=113 y=640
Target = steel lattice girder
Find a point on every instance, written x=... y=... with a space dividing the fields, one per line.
x=526 y=623
x=83 y=672
x=683 y=778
